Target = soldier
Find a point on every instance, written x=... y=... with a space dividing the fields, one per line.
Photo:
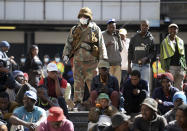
x=85 y=43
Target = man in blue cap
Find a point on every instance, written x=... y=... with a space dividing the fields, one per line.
x=4 y=47
x=29 y=116
x=114 y=46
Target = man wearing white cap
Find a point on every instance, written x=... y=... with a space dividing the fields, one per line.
x=55 y=86
x=172 y=55
x=124 y=54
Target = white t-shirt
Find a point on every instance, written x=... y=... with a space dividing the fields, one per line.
x=124 y=54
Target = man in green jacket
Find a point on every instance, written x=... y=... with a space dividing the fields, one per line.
x=172 y=55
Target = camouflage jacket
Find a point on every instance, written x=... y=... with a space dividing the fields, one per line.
x=83 y=52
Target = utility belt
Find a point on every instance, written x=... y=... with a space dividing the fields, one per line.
x=93 y=48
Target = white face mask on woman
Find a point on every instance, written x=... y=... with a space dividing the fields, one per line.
x=83 y=21
x=22 y=60
x=57 y=59
x=46 y=60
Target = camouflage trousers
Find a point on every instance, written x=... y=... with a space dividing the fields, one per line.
x=83 y=71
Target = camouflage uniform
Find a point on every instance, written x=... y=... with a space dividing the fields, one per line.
x=84 y=63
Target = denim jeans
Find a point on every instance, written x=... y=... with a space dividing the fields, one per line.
x=144 y=71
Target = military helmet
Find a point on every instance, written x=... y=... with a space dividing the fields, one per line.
x=85 y=11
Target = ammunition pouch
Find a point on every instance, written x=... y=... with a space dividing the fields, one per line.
x=94 y=49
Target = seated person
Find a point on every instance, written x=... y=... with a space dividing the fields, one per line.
x=56 y=121
x=6 y=78
x=134 y=91
x=44 y=101
x=149 y=120
x=18 y=76
x=29 y=116
x=24 y=86
x=164 y=95
x=99 y=116
x=179 y=98
x=181 y=119
x=105 y=83
x=55 y=86
x=3 y=126
x=185 y=89
x=120 y=122
x=6 y=107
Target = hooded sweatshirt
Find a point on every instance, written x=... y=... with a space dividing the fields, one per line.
x=140 y=47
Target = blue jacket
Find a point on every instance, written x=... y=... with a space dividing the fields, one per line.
x=167 y=101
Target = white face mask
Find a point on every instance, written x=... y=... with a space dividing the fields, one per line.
x=46 y=60
x=83 y=21
x=22 y=60
x=57 y=59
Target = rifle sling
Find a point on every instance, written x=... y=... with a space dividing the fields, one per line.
x=83 y=36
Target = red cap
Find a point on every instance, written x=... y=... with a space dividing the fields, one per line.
x=26 y=76
x=168 y=76
x=55 y=114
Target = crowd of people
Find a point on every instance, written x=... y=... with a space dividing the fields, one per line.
x=37 y=94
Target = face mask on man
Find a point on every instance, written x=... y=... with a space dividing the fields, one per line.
x=22 y=60
x=57 y=59
x=83 y=21
x=46 y=60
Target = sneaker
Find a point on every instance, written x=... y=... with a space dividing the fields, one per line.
x=79 y=107
x=70 y=104
x=122 y=110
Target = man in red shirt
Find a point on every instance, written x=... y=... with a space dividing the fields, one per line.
x=55 y=86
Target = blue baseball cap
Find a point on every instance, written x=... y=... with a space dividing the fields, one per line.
x=111 y=21
x=31 y=94
x=4 y=44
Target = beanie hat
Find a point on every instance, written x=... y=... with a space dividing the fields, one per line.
x=167 y=76
x=118 y=119
x=17 y=73
x=103 y=96
x=151 y=103
x=179 y=95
